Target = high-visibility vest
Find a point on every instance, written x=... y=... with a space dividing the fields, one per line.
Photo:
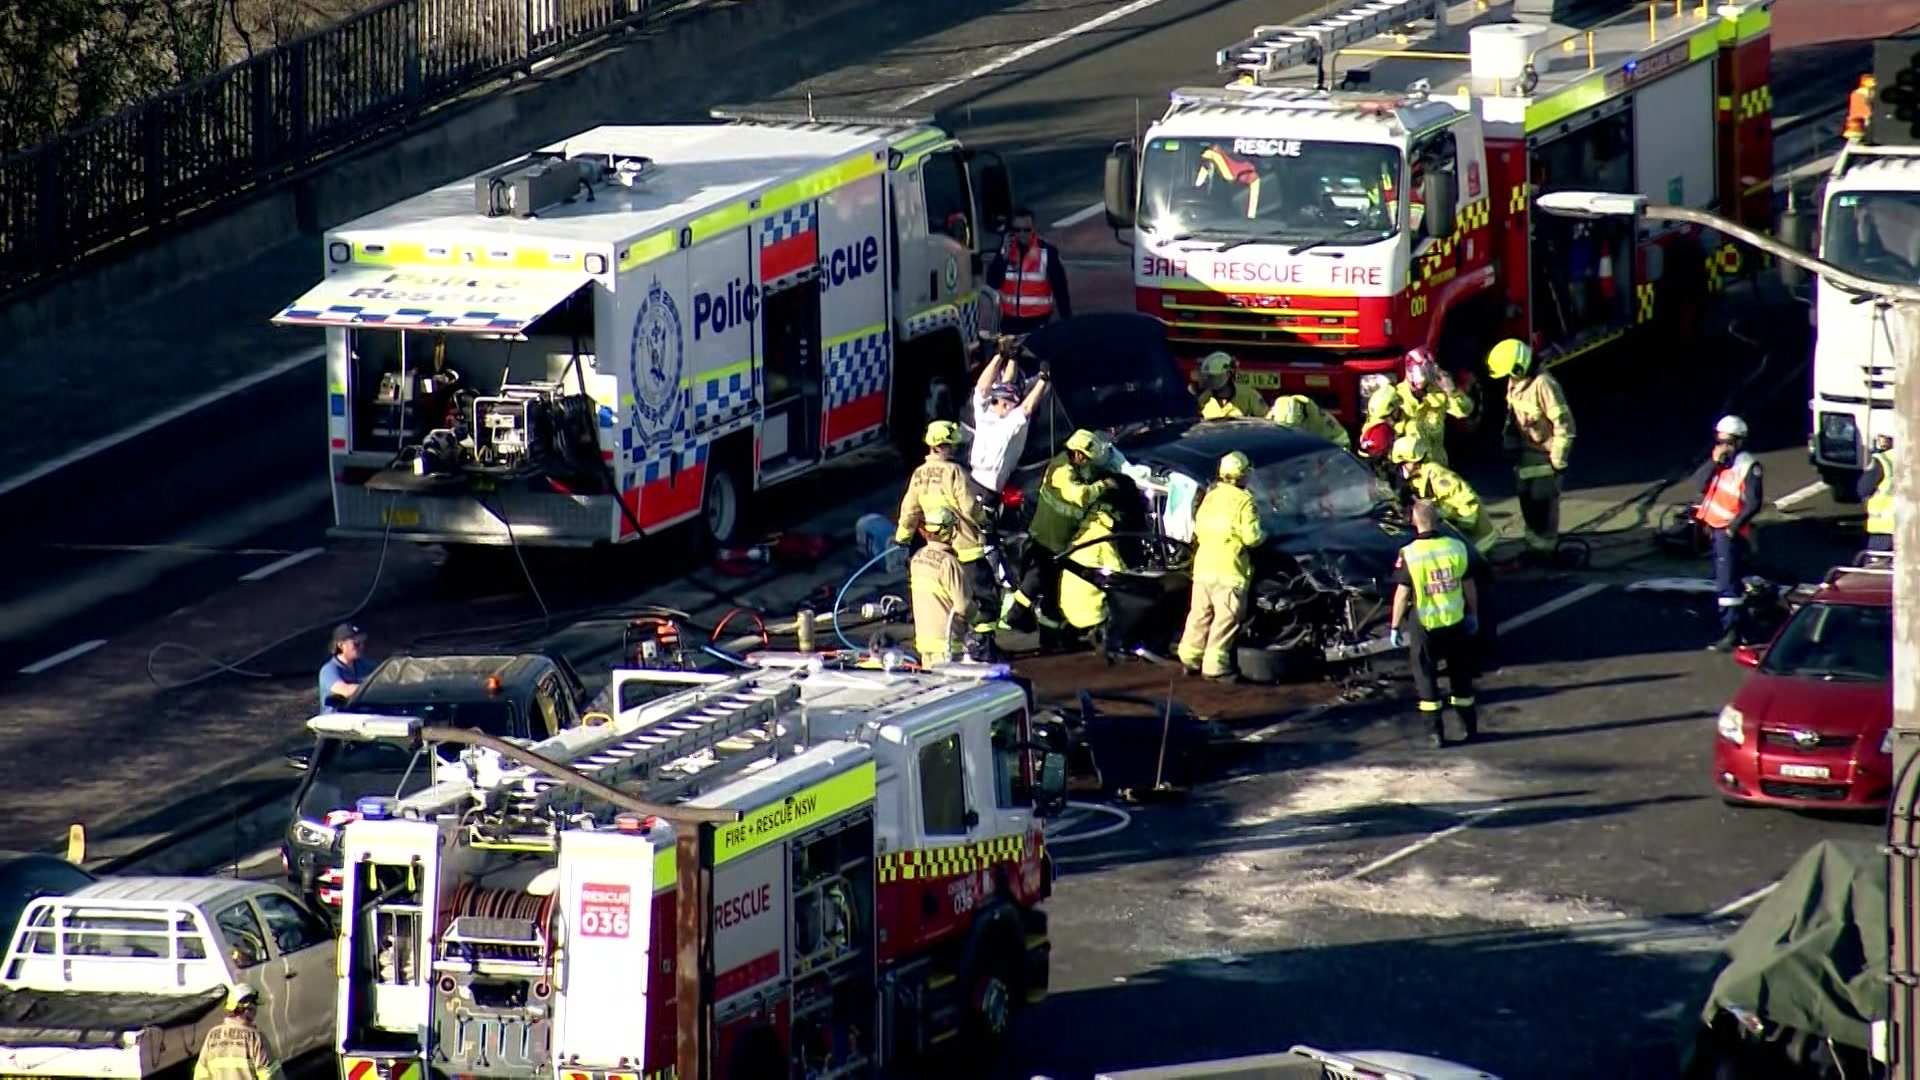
x=1880 y=503
x=1438 y=567
x=1226 y=525
x=1722 y=502
x=235 y=1050
x=1025 y=293
x=1062 y=506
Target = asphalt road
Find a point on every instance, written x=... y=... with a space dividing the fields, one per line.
x=1542 y=912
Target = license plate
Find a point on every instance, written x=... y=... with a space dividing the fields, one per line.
x=1805 y=772
x=402 y=518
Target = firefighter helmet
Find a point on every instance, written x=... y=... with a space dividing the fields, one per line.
x=939 y=518
x=241 y=996
x=1510 y=357
x=1216 y=369
x=1288 y=410
x=1376 y=439
x=1234 y=466
x=1091 y=443
x=1419 y=367
x=1408 y=449
x=944 y=433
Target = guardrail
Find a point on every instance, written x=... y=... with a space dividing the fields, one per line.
x=264 y=117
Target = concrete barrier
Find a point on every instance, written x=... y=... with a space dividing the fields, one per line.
x=706 y=53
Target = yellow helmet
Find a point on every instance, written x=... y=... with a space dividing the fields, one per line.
x=1234 y=466
x=1408 y=448
x=1510 y=357
x=1288 y=409
x=939 y=517
x=1216 y=368
x=1091 y=443
x=944 y=433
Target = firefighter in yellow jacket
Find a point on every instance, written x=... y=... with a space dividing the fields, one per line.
x=1458 y=503
x=1539 y=435
x=1420 y=404
x=1068 y=487
x=235 y=1050
x=1083 y=603
x=941 y=480
x=1225 y=529
x=1303 y=414
x=942 y=594
x=1222 y=395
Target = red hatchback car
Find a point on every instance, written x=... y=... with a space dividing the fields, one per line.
x=1812 y=725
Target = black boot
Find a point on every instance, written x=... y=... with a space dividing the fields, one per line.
x=1470 y=719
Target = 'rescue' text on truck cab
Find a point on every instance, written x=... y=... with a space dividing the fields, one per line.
x=1340 y=204
x=641 y=326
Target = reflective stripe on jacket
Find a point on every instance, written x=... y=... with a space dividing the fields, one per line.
x=1880 y=503
x=235 y=1050
x=942 y=596
x=1722 y=502
x=1438 y=567
x=1026 y=293
x=1082 y=602
x=942 y=481
x=1456 y=501
x=1226 y=526
x=1062 y=505
x=1424 y=414
x=1244 y=402
x=1542 y=424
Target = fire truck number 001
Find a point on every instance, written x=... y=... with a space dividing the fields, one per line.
x=605 y=910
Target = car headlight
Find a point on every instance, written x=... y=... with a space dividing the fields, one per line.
x=1369 y=384
x=1886 y=742
x=313 y=834
x=1732 y=726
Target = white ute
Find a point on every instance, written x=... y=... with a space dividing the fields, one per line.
x=125 y=977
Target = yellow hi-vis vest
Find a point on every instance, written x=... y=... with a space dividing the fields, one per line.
x=1880 y=503
x=1438 y=567
x=1224 y=528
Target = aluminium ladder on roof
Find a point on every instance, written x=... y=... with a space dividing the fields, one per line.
x=1274 y=49
x=720 y=712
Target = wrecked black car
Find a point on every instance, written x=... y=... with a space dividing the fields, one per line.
x=1332 y=529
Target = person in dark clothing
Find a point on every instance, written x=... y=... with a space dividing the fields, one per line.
x=1030 y=278
x=1730 y=495
x=1436 y=615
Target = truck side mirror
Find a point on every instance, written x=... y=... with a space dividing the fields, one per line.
x=1050 y=790
x=1120 y=185
x=994 y=189
x=300 y=760
x=1437 y=193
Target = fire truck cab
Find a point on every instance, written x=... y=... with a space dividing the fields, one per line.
x=876 y=895
x=1365 y=185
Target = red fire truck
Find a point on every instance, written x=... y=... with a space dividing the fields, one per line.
x=870 y=894
x=1365 y=186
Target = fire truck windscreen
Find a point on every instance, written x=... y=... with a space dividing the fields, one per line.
x=1875 y=235
x=1284 y=190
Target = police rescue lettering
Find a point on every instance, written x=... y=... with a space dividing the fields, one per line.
x=738 y=303
x=605 y=910
x=437 y=288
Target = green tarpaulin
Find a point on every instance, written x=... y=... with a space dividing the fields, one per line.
x=1813 y=956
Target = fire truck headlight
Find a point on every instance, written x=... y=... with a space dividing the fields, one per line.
x=1369 y=384
x=312 y=834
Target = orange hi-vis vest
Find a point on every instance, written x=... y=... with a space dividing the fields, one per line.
x=1026 y=293
x=1722 y=502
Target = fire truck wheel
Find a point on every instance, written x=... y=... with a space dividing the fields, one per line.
x=993 y=994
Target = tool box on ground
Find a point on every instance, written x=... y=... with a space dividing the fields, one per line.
x=869 y=892
x=640 y=326
x=1365 y=186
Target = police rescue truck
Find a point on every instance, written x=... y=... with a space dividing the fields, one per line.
x=1364 y=186
x=641 y=326
x=872 y=897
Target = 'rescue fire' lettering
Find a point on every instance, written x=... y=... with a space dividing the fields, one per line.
x=1229 y=271
x=793 y=810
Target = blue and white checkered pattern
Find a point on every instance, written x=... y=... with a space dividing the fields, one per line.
x=715 y=400
x=857 y=368
x=348 y=314
x=930 y=319
x=659 y=468
x=791 y=222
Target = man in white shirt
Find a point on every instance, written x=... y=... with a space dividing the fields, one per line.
x=1000 y=418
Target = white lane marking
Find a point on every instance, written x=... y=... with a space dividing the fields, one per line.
x=1311 y=712
x=108 y=442
x=1798 y=497
x=1473 y=818
x=278 y=565
x=1079 y=216
x=1551 y=606
x=1748 y=900
x=1021 y=53
x=62 y=657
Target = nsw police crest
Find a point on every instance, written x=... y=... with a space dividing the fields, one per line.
x=655 y=359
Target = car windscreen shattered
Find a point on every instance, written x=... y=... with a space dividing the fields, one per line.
x=1313 y=489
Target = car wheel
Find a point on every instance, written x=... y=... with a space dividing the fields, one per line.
x=1265 y=666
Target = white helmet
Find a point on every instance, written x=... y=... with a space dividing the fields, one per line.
x=1731 y=427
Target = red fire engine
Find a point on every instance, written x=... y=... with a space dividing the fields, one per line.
x=1353 y=196
x=864 y=856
